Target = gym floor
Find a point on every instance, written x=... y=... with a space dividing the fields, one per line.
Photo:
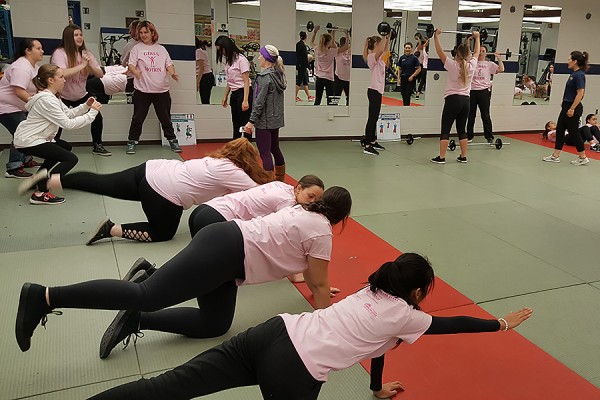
x=503 y=231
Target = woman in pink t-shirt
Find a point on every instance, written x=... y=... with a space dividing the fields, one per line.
x=325 y=54
x=373 y=54
x=165 y=188
x=151 y=66
x=237 y=74
x=219 y=258
x=290 y=356
x=77 y=63
x=16 y=88
x=205 y=79
x=343 y=65
x=456 y=96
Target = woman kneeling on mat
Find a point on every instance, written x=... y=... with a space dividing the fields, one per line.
x=291 y=356
x=165 y=188
x=218 y=259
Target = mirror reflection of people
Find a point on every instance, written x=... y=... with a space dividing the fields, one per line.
x=572 y=108
x=409 y=68
x=423 y=50
x=481 y=92
x=325 y=54
x=237 y=75
x=205 y=79
x=151 y=66
x=290 y=356
x=302 y=65
x=133 y=40
x=77 y=63
x=114 y=81
x=548 y=78
x=16 y=88
x=456 y=95
x=343 y=64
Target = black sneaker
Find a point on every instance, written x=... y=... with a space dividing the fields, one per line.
x=595 y=148
x=370 y=150
x=18 y=173
x=461 y=159
x=102 y=231
x=125 y=324
x=490 y=141
x=33 y=180
x=363 y=141
x=438 y=160
x=32 y=311
x=174 y=145
x=141 y=264
x=377 y=146
x=45 y=198
x=100 y=150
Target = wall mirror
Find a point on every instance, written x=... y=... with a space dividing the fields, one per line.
x=238 y=20
x=539 y=37
x=333 y=58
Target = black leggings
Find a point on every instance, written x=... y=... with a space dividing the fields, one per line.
x=240 y=118
x=342 y=86
x=205 y=269
x=323 y=84
x=263 y=355
x=374 y=108
x=57 y=156
x=570 y=124
x=456 y=108
x=406 y=88
x=202 y=216
x=163 y=216
x=141 y=105
x=480 y=98
x=422 y=80
x=207 y=81
x=97 y=125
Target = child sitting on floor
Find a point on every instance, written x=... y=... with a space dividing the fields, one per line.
x=585 y=132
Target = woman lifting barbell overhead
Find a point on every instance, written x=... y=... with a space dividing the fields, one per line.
x=456 y=96
x=325 y=52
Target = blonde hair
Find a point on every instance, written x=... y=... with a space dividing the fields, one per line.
x=241 y=152
x=463 y=53
x=275 y=54
x=326 y=38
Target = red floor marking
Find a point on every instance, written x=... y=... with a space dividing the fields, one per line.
x=489 y=366
x=390 y=101
x=536 y=138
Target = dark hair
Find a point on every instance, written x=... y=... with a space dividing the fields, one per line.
x=227 y=49
x=400 y=277
x=24 y=45
x=587 y=117
x=45 y=72
x=311 y=180
x=200 y=44
x=547 y=129
x=68 y=44
x=408 y=43
x=302 y=35
x=335 y=205
x=581 y=58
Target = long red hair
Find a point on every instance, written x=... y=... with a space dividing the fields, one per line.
x=245 y=156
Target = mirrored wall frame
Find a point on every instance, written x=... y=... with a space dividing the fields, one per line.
x=537 y=54
x=240 y=22
x=338 y=64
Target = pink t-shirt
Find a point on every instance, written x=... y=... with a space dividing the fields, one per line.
x=278 y=244
x=423 y=57
x=377 y=72
x=324 y=63
x=202 y=55
x=187 y=183
x=256 y=202
x=19 y=74
x=482 y=79
x=152 y=61
x=75 y=85
x=361 y=326
x=454 y=84
x=233 y=72
x=342 y=65
x=114 y=79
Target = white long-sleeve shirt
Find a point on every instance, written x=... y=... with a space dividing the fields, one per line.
x=46 y=114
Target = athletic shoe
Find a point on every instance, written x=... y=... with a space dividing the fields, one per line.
x=174 y=144
x=100 y=150
x=595 y=148
x=18 y=173
x=31 y=164
x=417 y=97
x=461 y=159
x=32 y=311
x=438 y=160
x=377 y=146
x=311 y=98
x=363 y=141
x=141 y=264
x=45 y=198
x=32 y=181
x=131 y=147
x=125 y=324
x=551 y=158
x=470 y=140
x=580 y=161
x=298 y=99
x=102 y=231
x=490 y=141
x=370 y=150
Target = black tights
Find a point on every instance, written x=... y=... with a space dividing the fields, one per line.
x=57 y=156
x=374 y=108
x=163 y=216
x=203 y=216
x=205 y=269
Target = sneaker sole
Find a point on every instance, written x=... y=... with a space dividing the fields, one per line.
x=108 y=341
x=135 y=268
x=33 y=180
x=95 y=232
x=130 y=152
x=438 y=162
x=462 y=162
x=7 y=175
x=552 y=161
x=45 y=203
x=369 y=153
x=23 y=341
x=102 y=154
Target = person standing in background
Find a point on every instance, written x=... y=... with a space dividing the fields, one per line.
x=205 y=79
x=409 y=69
x=343 y=63
x=302 y=67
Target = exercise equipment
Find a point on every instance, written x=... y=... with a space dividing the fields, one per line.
x=310 y=26
x=498 y=143
x=410 y=139
x=385 y=29
x=507 y=54
x=483 y=33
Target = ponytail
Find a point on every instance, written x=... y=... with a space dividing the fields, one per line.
x=335 y=205
x=581 y=58
x=45 y=72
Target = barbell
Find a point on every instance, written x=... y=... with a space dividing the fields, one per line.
x=498 y=143
x=310 y=26
x=410 y=139
x=483 y=33
x=507 y=54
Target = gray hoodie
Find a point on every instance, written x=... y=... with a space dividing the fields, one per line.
x=267 y=106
